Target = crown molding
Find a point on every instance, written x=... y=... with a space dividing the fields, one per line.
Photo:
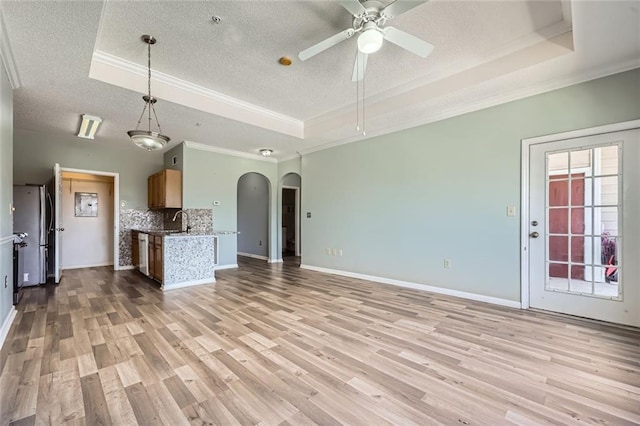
x=104 y=66
x=295 y=156
x=488 y=102
x=231 y=152
x=6 y=54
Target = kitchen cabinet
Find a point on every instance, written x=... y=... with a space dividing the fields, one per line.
x=164 y=189
x=135 y=249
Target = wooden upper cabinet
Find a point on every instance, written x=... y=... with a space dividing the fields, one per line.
x=165 y=190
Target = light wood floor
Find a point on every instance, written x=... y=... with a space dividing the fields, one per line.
x=273 y=344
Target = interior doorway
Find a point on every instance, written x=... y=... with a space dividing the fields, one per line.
x=290 y=241
x=71 y=205
x=88 y=217
x=253 y=216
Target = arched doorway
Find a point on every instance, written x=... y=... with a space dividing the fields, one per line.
x=290 y=243
x=253 y=216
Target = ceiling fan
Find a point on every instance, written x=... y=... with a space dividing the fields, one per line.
x=369 y=18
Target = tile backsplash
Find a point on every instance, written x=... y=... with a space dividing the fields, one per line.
x=201 y=221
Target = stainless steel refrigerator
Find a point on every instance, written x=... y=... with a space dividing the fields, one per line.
x=32 y=216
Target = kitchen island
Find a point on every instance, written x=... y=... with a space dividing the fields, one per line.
x=176 y=259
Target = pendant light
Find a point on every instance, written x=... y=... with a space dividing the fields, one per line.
x=148 y=139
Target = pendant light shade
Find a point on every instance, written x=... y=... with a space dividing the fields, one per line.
x=148 y=139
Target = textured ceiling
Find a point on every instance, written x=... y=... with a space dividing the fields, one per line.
x=238 y=57
x=486 y=52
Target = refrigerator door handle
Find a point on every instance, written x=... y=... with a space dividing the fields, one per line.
x=50 y=213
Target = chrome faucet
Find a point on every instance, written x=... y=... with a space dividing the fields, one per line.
x=175 y=216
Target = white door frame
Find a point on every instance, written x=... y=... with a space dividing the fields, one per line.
x=297 y=217
x=524 y=194
x=116 y=208
x=57 y=197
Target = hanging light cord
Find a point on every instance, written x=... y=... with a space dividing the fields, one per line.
x=357 y=91
x=364 y=125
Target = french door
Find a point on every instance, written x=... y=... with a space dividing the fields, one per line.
x=584 y=226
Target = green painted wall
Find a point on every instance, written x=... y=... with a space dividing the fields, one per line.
x=210 y=176
x=399 y=204
x=36 y=153
x=6 y=195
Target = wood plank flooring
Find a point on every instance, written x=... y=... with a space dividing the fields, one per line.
x=277 y=345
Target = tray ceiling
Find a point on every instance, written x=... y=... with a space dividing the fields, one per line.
x=226 y=77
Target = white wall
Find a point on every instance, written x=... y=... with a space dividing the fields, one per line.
x=86 y=241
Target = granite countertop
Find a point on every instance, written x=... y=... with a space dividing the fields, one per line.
x=174 y=234
x=189 y=234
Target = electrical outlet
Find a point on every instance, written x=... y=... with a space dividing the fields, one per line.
x=308 y=215
x=25 y=276
x=329 y=251
x=511 y=210
x=446 y=264
x=6 y=280
x=260 y=243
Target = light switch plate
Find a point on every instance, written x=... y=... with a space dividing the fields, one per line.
x=511 y=210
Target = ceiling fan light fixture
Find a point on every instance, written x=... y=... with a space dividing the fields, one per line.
x=370 y=41
x=148 y=139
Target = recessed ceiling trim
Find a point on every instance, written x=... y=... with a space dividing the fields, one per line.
x=441 y=89
x=487 y=102
x=120 y=72
x=231 y=152
x=6 y=54
x=544 y=38
x=295 y=156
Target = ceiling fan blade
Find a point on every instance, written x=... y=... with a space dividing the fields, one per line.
x=325 y=44
x=400 y=6
x=408 y=42
x=360 y=66
x=353 y=6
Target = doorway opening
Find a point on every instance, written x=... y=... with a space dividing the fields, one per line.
x=253 y=216
x=86 y=219
x=290 y=241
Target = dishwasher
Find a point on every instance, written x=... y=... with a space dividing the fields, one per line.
x=143 y=249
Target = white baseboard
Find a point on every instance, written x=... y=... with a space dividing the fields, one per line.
x=175 y=286
x=6 y=325
x=275 y=261
x=254 y=256
x=230 y=266
x=126 y=268
x=416 y=286
x=97 y=265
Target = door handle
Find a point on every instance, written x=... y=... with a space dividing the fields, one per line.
x=534 y=234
